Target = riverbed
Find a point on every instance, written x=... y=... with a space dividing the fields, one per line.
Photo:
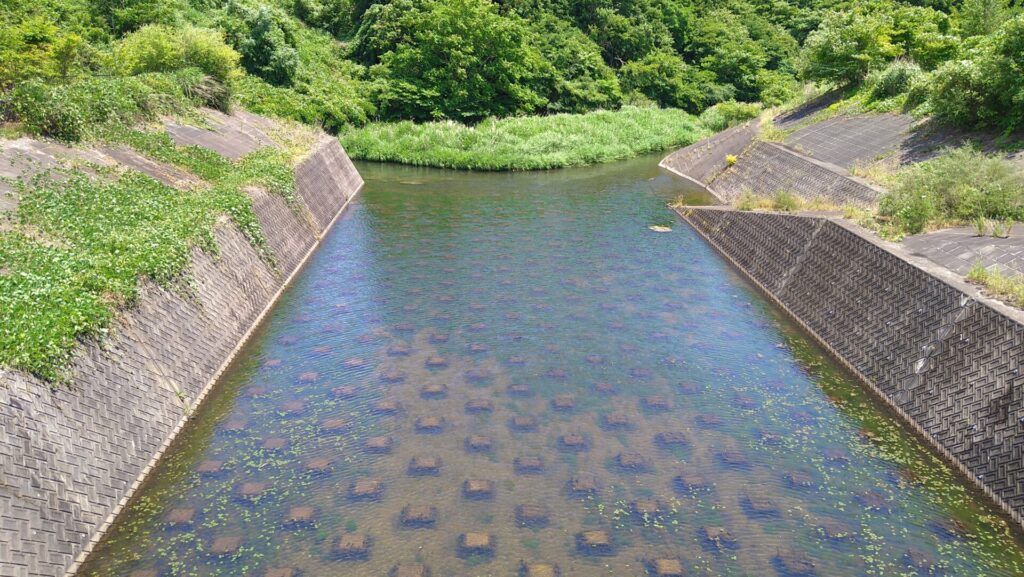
x=492 y=374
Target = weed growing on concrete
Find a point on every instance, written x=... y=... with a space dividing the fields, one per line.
x=1009 y=288
x=980 y=224
x=785 y=201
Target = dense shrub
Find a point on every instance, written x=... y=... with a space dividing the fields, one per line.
x=47 y=111
x=730 y=113
x=958 y=186
x=846 y=46
x=776 y=87
x=331 y=102
x=37 y=48
x=67 y=111
x=336 y=17
x=893 y=80
x=159 y=48
x=127 y=15
x=985 y=88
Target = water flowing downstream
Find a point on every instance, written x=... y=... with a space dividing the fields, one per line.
x=501 y=374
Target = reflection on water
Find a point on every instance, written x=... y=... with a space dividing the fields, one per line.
x=510 y=374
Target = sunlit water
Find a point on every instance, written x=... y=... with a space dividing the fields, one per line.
x=775 y=461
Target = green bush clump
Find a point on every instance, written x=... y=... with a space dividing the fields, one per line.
x=159 y=48
x=265 y=37
x=36 y=48
x=849 y=44
x=668 y=81
x=47 y=111
x=959 y=186
x=527 y=143
x=69 y=111
x=893 y=80
x=984 y=88
x=445 y=67
x=729 y=113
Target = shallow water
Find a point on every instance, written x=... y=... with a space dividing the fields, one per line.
x=554 y=281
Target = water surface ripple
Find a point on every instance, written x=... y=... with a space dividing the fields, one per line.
x=510 y=374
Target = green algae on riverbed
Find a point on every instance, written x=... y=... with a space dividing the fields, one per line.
x=737 y=448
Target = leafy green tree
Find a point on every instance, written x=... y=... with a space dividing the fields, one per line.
x=847 y=45
x=336 y=17
x=666 y=79
x=462 y=60
x=383 y=27
x=980 y=17
x=265 y=39
x=726 y=49
x=923 y=34
x=578 y=79
x=986 y=88
x=625 y=38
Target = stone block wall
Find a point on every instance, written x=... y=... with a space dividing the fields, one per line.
x=945 y=361
x=71 y=457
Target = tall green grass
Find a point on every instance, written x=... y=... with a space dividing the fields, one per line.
x=527 y=143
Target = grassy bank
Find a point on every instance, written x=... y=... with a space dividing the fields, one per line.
x=77 y=249
x=526 y=143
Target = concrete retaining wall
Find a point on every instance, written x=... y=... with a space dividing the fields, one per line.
x=704 y=160
x=763 y=169
x=767 y=168
x=945 y=361
x=70 y=458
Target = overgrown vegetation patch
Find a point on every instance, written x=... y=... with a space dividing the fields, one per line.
x=959 y=187
x=528 y=142
x=80 y=247
x=1008 y=287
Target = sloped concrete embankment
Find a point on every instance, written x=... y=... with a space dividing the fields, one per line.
x=71 y=457
x=944 y=358
x=764 y=169
x=704 y=160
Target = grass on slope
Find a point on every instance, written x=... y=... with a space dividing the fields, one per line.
x=527 y=143
x=77 y=250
